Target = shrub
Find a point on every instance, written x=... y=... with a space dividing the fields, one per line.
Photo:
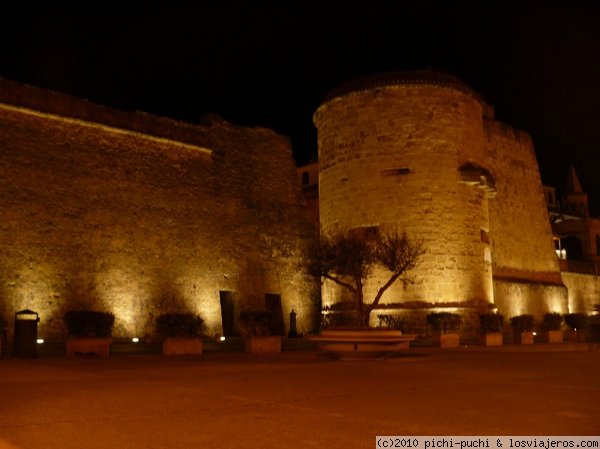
x=341 y=306
x=444 y=322
x=522 y=323
x=338 y=320
x=491 y=322
x=551 y=321
x=576 y=320
x=88 y=323
x=180 y=325
x=391 y=322
x=257 y=324
x=594 y=329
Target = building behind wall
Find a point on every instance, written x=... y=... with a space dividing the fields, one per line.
x=139 y=215
x=577 y=243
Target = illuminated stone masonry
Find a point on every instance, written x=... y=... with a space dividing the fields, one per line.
x=423 y=152
x=138 y=215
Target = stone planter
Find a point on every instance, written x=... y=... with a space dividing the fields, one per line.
x=523 y=338
x=552 y=336
x=491 y=339
x=263 y=344
x=575 y=336
x=362 y=344
x=446 y=340
x=182 y=346
x=88 y=346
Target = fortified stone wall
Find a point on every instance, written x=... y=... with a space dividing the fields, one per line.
x=389 y=156
x=521 y=234
x=96 y=215
x=422 y=151
x=584 y=291
x=526 y=273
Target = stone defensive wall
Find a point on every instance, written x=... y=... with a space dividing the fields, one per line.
x=138 y=215
x=527 y=276
x=584 y=291
x=421 y=151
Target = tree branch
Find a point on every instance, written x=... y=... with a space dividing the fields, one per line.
x=383 y=288
x=342 y=283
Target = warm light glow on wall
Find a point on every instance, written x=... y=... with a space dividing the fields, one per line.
x=557 y=305
x=516 y=306
x=207 y=304
x=328 y=293
x=445 y=309
x=126 y=295
x=37 y=288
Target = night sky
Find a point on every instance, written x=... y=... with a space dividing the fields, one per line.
x=271 y=63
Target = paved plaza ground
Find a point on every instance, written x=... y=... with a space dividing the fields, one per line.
x=298 y=399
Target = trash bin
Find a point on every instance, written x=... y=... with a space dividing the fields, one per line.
x=25 y=338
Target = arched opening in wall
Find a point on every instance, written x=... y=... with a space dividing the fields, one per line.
x=305 y=178
x=573 y=247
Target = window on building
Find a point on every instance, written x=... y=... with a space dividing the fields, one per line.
x=597 y=245
x=573 y=247
x=485 y=237
x=305 y=178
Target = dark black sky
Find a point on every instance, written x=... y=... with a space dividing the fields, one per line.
x=271 y=63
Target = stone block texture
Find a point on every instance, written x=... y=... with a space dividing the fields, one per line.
x=422 y=152
x=139 y=215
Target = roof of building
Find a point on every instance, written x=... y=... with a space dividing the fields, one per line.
x=429 y=77
x=573 y=185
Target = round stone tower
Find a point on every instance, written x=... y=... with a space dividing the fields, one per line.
x=407 y=150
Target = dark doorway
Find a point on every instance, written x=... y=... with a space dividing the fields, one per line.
x=274 y=306
x=228 y=310
x=574 y=248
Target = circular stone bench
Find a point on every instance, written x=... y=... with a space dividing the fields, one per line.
x=362 y=344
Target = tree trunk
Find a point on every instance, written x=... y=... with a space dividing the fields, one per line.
x=363 y=319
x=362 y=312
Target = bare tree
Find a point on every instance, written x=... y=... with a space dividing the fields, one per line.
x=348 y=258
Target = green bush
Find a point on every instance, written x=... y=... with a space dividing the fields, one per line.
x=522 y=323
x=180 y=325
x=491 y=322
x=257 y=324
x=444 y=322
x=89 y=323
x=391 y=322
x=551 y=321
